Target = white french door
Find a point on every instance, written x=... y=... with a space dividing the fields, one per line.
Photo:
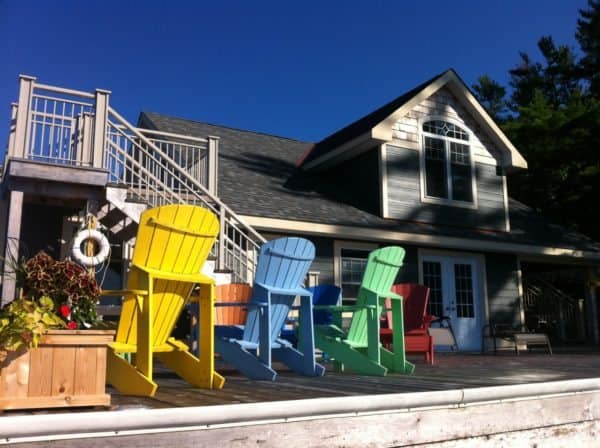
x=455 y=287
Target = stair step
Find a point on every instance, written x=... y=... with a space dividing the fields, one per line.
x=128 y=232
x=112 y=218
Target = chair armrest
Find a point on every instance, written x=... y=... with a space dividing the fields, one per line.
x=282 y=291
x=124 y=292
x=427 y=319
x=246 y=304
x=341 y=308
x=187 y=278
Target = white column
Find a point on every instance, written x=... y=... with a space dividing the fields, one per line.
x=11 y=248
x=100 y=126
x=23 y=117
x=213 y=164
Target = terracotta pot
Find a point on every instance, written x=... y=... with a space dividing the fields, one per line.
x=68 y=368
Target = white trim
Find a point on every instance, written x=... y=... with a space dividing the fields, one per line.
x=505 y=198
x=381 y=235
x=383 y=177
x=383 y=131
x=338 y=245
x=422 y=174
x=512 y=155
x=480 y=276
x=344 y=152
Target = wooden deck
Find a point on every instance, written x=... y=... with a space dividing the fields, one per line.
x=451 y=371
x=455 y=404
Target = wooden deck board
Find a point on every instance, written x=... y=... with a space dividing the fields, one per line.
x=451 y=371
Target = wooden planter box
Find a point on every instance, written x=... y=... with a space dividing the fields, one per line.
x=67 y=369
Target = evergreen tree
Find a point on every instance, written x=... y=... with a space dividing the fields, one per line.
x=588 y=36
x=555 y=124
x=492 y=95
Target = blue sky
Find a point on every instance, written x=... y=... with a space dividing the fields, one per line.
x=298 y=69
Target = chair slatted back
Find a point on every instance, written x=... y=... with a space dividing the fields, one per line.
x=282 y=263
x=170 y=239
x=232 y=293
x=414 y=303
x=380 y=273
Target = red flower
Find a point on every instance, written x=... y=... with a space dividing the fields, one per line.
x=65 y=311
x=72 y=325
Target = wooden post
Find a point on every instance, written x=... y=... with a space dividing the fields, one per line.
x=11 y=249
x=100 y=126
x=23 y=117
x=212 y=164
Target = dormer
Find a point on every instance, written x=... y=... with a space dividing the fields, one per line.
x=442 y=159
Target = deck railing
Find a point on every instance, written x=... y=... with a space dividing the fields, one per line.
x=63 y=126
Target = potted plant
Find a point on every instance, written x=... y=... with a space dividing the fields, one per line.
x=50 y=353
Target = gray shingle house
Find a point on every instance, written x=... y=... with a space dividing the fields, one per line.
x=427 y=171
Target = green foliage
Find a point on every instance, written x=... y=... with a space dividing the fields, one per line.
x=492 y=95
x=555 y=124
x=73 y=289
x=24 y=321
x=588 y=36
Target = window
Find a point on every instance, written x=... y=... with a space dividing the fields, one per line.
x=353 y=264
x=447 y=162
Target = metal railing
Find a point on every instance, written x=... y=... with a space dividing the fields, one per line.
x=553 y=307
x=63 y=126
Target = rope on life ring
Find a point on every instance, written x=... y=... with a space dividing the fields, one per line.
x=101 y=241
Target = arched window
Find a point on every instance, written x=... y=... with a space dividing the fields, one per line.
x=447 y=158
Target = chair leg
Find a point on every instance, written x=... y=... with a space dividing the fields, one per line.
x=297 y=361
x=244 y=361
x=126 y=378
x=191 y=369
x=349 y=357
x=396 y=363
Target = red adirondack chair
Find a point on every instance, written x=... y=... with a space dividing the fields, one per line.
x=416 y=320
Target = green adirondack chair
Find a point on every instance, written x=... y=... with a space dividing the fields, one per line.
x=359 y=349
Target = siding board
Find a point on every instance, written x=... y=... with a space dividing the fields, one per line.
x=404 y=197
x=503 y=288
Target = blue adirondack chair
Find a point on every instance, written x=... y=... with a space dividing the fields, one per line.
x=282 y=266
x=322 y=295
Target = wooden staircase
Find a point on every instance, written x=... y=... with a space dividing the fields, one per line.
x=145 y=168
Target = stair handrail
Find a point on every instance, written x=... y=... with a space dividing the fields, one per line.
x=186 y=175
x=556 y=291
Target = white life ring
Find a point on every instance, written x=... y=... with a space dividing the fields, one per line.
x=99 y=239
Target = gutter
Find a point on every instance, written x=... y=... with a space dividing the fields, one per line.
x=28 y=428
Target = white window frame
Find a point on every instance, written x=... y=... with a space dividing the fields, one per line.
x=468 y=143
x=338 y=246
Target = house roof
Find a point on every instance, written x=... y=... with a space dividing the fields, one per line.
x=361 y=125
x=377 y=125
x=258 y=177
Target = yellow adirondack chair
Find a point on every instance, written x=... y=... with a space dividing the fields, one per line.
x=172 y=244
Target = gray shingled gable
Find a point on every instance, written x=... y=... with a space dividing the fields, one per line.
x=258 y=177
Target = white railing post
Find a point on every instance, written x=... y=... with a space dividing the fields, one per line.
x=23 y=117
x=212 y=164
x=84 y=138
x=13 y=127
x=222 y=235
x=100 y=127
